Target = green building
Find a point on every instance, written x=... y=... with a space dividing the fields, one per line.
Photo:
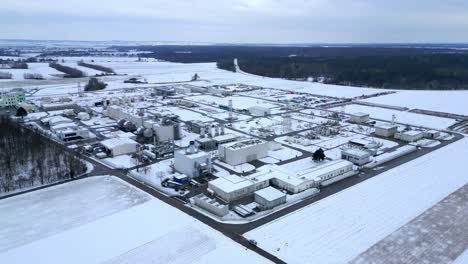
x=11 y=98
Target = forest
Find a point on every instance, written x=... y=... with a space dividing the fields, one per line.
x=30 y=159
x=379 y=66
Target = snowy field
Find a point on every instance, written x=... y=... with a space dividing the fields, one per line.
x=340 y=227
x=402 y=117
x=439 y=235
x=41 y=68
x=40 y=214
x=103 y=220
x=443 y=101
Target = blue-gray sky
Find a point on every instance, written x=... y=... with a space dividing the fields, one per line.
x=238 y=21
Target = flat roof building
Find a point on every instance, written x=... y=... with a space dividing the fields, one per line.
x=385 y=130
x=269 y=197
x=243 y=151
x=359 y=118
x=410 y=136
x=259 y=110
x=120 y=146
x=356 y=156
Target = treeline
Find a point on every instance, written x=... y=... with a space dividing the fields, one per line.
x=13 y=64
x=69 y=71
x=379 y=66
x=96 y=67
x=29 y=159
x=434 y=71
x=33 y=76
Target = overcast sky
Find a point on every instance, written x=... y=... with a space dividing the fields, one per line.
x=237 y=21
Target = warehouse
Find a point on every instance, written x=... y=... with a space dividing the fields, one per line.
x=232 y=187
x=359 y=118
x=312 y=177
x=269 y=198
x=385 y=130
x=259 y=110
x=120 y=146
x=57 y=120
x=410 y=136
x=73 y=134
x=240 y=152
x=356 y=156
x=192 y=162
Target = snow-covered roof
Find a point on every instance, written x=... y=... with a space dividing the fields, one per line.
x=356 y=152
x=231 y=183
x=270 y=194
x=360 y=114
x=59 y=119
x=225 y=137
x=386 y=126
x=412 y=133
x=116 y=142
x=244 y=143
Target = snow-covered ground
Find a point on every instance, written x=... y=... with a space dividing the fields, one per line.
x=103 y=220
x=402 y=116
x=340 y=227
x=443 y=101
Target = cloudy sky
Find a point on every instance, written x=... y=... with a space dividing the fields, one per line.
x=237 y=21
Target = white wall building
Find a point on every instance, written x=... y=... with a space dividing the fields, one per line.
x=313 y=177
x=233 y=187
x=385 y=130
x=192 y=163
x=117 y=113
x=239 y=152
x=269 y=197
x=120 y=146
x=359 y=118
x=410 y=136
x=259 y=110
x=57 y=120
x=73 y=134
x=356 y=156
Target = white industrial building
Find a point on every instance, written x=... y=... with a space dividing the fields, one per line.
x=311 y=178
x=386 y=130
x=73 y=134
x=359 y=118
x=356 y=156
x=269 y=197
x=259 y=110
x=410 y=136
x=118 y=113
x=192 y=162
x=233 y=187
x=240 y=152
x=57 y=120
x=120 y=146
